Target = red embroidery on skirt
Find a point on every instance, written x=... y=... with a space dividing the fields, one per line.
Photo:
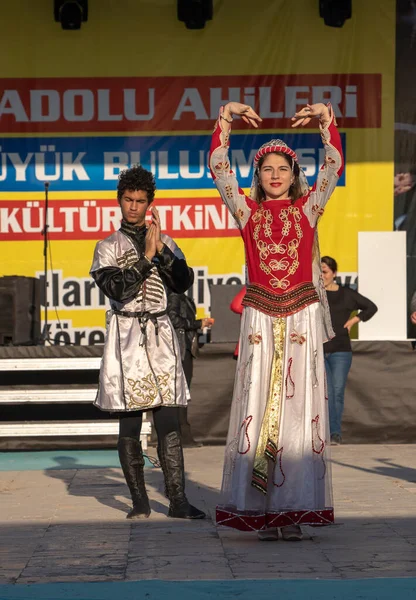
x=289 y=381
x=255 y=338
x=279 y=462
x=297 y=338
x=246 y=423
x=315 y=430
x=247 y=522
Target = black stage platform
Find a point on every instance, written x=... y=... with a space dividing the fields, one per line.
x=380 y=402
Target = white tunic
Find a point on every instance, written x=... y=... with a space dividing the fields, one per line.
x=140 y=369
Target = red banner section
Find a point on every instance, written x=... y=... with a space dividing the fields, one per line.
x=96 y=219
x=152 y=104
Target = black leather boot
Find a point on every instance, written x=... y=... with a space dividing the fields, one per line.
x=162 y=465
x=173 y=469
x=132 y=462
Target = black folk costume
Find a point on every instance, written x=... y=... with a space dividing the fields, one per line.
x=141 y=366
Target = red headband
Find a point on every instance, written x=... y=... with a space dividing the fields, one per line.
x=267 y=149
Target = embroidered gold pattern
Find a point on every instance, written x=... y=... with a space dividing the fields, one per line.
x=279 y=265
x=257 y=216
x=239 y=214
x=267 y=446
x=144 y=391
x=290 y=218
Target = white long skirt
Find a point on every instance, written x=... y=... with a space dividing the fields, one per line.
x=277 y=469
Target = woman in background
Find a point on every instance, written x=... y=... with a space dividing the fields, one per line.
x=338 y=353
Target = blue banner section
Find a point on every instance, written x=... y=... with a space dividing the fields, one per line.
x=178 y=162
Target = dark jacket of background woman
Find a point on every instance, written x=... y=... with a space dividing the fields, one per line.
x=342 y=303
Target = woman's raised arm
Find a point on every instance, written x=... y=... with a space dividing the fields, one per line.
x=219 y=163
x=333 y=166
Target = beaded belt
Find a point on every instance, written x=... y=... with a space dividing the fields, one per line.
x=280 y=305
x=143 y=317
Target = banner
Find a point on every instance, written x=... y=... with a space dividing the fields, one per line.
x=178 y=162
x=180 y=103
x=139 y=88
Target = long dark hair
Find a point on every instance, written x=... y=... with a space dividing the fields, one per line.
x=295 y=190
x=331 y=263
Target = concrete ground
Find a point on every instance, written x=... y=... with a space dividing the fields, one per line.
x=68 y=525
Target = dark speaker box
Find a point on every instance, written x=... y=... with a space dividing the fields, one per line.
x=19 y=311
x=335 y=12
x=227 y=323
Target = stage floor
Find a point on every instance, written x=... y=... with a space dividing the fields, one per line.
x=68 y=527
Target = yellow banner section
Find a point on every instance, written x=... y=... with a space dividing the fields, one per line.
x=365 y=204
x=73 y=297
x=144 y=39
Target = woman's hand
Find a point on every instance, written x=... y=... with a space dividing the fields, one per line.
x=413 y=318
x=351 y=322
x=403 y=182
x=207 y=322
x=241 y=110
x=304 y=116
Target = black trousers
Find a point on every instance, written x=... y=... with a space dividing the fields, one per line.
x=165 y=419
x=188 y=367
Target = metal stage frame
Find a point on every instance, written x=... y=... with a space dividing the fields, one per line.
x=33 y=394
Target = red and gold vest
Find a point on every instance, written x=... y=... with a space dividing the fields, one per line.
x=278 y=239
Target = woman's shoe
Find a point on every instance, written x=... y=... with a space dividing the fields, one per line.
x=336 y=439
x=291 y=533
x=268 y=535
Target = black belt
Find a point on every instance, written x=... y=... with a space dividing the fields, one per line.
x=143 y=317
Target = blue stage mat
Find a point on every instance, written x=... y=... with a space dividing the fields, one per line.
x=43 y=460
x=282 y=589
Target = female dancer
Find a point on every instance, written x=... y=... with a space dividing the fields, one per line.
x=276 y=471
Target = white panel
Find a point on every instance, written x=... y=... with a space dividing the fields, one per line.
x=50 y=364
x=46 y=395
x=67 y=428
x=382 y=279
